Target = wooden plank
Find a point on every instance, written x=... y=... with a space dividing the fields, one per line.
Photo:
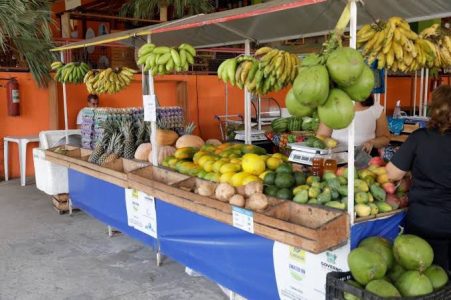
x=102 y=176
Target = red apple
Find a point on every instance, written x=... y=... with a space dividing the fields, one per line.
x=377 y=161
x=389 y=187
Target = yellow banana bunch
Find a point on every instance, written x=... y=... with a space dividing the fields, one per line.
x=109 y=80
x=163 y=60
x=438 y=41
x=274 y=70
x=70 y=73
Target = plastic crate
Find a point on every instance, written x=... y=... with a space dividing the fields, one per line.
x=336 y=285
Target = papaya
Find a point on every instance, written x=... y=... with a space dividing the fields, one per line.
x=185 y=153
x=311 y=86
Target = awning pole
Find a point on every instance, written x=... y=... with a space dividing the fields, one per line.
x=66 y=122
x=351 y=132
x=426 y=89
x=415 y=93
x=247 y=102
x=385 y=89
x=153 y=124
x=420 y=105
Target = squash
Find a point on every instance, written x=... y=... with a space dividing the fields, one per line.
x=142 y=153
x=166 y=137
x=163 y=152
x=189 y=140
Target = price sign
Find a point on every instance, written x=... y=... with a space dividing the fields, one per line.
x=243 y=219
x=150 y=108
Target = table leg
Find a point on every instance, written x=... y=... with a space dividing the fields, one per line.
x=23 y=162
x=5 y=159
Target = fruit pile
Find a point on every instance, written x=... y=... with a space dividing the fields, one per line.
x=270 y=70
x=328 y=83
x=295 y=124
x=397 y=48
x=109 y=81
x=402 y=269
x=164 y=60
x=73 y=72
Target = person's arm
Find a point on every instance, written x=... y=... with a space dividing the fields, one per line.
x=79 y=119
x=382 y=138
x=323 y=131
x=394 y=173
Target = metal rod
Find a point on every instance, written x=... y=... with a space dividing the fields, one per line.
x=426 y=89
x=420 y=105
x=153 y=124
x=66 y=121
x=247 y=103
x=415 y=93
x=351 y=128
x=385 y=89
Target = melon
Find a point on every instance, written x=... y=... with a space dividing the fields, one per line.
x=338 y=111
x=437 y=275
x=360 y=90
x=345 y=65
x=395 y=272
x=381 y=246
x=413 y=283
x=189 y=140
x=366 y=265
x=413 y=252
x=311 y=86
x=296 y=108
x=143 y=150
x=382 y=288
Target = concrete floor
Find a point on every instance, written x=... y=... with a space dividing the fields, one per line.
x=44 y=255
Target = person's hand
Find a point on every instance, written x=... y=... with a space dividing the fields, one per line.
x=367 y=146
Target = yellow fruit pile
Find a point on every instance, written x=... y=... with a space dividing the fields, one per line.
x=236 y=164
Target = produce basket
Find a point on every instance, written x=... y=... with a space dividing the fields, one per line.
x=156 y=177
x=336 y=285
x=67 y=154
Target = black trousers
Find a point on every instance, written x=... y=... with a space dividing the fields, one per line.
x=439 y=243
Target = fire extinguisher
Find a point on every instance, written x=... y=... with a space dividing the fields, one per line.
x=12 y=96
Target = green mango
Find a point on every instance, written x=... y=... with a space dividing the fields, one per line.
x=301 y=197
x=361 y=198
x=314 y=192
x=360 y=186
x=324 y=197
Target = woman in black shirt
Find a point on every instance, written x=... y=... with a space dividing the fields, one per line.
x=427 y=154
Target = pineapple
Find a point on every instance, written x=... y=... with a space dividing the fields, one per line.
x=189 y=129
x=129 y=139
x=101 y=145
x=114 y=150
x=140 y=135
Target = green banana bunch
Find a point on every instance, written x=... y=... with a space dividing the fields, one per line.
x=109 y=80
x=275 y=70
x=73 y=72
x=163 y=60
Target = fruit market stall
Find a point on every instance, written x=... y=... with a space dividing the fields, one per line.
x=244 y=218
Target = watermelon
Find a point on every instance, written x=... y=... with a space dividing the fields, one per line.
x=279 y=125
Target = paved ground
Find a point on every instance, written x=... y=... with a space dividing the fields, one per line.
x=44 y=255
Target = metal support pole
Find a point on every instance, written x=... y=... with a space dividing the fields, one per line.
x=415 y=93
x=385 y=89
x=153 y=124
x=247 y=103
x=420 y=105
x=351 y=131
x=426 y=89
x=66 y=122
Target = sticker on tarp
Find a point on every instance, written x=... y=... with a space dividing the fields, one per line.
x=141 y=212
x=243 y=219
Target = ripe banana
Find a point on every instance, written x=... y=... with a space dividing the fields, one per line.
x=109 y=80
x=163 y=60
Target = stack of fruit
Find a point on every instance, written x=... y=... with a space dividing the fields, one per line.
x=164 y=60
x=402 y=269
x=397 y=48
x=109 y=81
x=270 y=71
x=295 y=124
x=279 y=182
x=73 y=72
x=351 y=79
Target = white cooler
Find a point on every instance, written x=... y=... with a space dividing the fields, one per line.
x=50 y=178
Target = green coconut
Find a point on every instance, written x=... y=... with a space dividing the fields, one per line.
x=382 y=288
x=395 y=272
x=413 y=252
x=311 y=60
x=311 y=86
x=338 y=111
x=349 y=296
x=360 y=90
x=437 y=275
x=366 y=265
x=296 y=108
x=345 y=65
x=413 y=284
x=381 y=246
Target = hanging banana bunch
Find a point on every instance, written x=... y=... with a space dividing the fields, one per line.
x=109 y=80
x=273 y=70
x=438 y=41
x=164 y=60
x=73 y=72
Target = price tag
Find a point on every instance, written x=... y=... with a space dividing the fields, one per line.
x=150 y=108
x=243 y=219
